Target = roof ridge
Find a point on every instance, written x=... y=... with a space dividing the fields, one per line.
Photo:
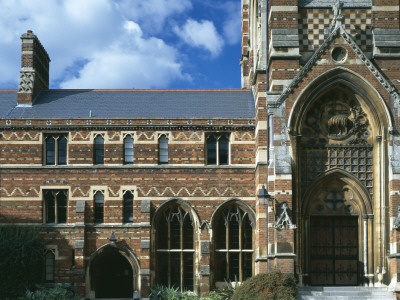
x=148 y=90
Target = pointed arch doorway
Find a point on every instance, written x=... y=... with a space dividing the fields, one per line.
x=336 y=232
x=112 y=274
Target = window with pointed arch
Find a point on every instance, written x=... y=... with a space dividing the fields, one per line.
x=98 y=158
x=99 y=207
x=163 y=150
x=217 y=151
x=233 y=245
x=55 y=206
x=56 y=149
x=175 y=248
x=128 y=150
x=128 y=207
x=49 y=259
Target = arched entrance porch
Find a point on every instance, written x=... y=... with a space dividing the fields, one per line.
x=113 y=273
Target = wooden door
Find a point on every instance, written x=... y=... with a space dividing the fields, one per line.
x=333 y=250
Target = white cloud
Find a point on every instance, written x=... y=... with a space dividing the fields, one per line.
x=130 y=63
x=201 y=34
x=85 y=39
x=232 y=24
x=152 y=14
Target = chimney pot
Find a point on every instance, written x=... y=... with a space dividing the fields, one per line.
x=29 y=31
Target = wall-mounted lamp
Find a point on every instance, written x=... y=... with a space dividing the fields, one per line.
x=112 y=239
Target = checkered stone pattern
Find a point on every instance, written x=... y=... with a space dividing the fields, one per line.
x=314 y=22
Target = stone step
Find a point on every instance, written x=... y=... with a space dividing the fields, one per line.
x=344 y=293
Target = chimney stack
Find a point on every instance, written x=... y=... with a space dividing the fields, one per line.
x=34 y=75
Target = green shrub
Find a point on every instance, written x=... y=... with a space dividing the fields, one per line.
x=162 y=292
x=22 y=260
x=60 y=291
x=274 y=285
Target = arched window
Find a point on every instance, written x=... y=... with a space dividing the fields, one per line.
x=217 y=149
x=50 y=151
x=49 y=265
x=99 y=150
x=211 y=150
x=56 y=206
x=233 y=244
x=99 y=207
x=128 y=150
x=223 y=150
x=175 y=249
x=163 y=150
x=62 y=150
x=128 y=207
x=56 y=149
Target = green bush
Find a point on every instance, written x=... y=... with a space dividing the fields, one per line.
x=60 y=291
x=22 y=260
x=274 y=285
x=162 y=292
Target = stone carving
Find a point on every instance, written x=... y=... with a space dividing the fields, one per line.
x=396 y=222
x=26 y=81
x=334 y=200
x=284 y=220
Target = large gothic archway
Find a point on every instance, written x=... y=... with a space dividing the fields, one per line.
x=337 y=126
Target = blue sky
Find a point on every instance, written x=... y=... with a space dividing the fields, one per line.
x=192 y=44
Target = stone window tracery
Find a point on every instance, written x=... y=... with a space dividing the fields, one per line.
x=233 y=241
x=175 y=249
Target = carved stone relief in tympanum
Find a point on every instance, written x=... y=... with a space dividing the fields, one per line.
x=336 y=118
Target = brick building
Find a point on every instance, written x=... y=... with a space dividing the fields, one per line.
x=131 y=188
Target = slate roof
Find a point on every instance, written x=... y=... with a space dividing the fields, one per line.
x=132 y=104
x=329 y=3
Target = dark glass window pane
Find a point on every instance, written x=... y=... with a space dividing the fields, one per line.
x=175 y=227
x=62 y=150
x=162 y=268
x=187 y=233
x=163 y=150
x=99 y=150
x=49 y=272
x=247 y=234
x=221 y=234
x=234 y=266
x=50 y=151
x=61 y=207
x=188 y=271
x=211 y=151
x=220 y=266
x=128 y=149
x=99 y=208
x=233 y=234
x=50 y=207
x=247 y=262
x=175 y=269
x=223 y=150
x=128 y=207
x=162 y=233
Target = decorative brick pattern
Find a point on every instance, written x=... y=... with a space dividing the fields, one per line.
x=314 y=23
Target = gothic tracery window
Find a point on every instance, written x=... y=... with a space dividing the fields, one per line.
x=217 y=149
x=233 y=244
x=55 y=206
x=175 y=249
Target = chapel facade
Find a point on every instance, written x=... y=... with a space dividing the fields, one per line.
x=134 y=188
